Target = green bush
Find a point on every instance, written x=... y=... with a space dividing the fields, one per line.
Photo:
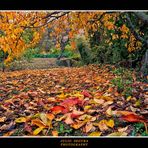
x=83 y=47
x=30 y=53
x=119 y=83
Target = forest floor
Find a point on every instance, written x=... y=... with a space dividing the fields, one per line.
x=35 y=63
x=92 y=100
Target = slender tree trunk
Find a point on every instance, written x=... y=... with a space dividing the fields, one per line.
x=144 y=67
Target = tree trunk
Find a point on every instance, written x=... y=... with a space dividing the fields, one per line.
x=144 y=67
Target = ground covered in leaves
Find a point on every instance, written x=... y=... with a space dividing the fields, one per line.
x=92 y=100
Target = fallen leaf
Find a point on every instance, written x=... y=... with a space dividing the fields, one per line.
x=95 y=134
x=57 y=109
x=38 y=122
x=2 y=119
x=54 y=133
x=68 y=119
x=99 y=101
x=133 y=118
x=37 y=131
x=78 y=124
x=87 y=107
x=107 y=103
x=109 y=111
x=43 y=117
x=76 y=113
x=118 y=134
x=20 y=120
x=101 y=125
x=122 y=129
x=86 y=94
x=9 y=133
x=70 y=102
x=110 y=123
x=88 y=127
x=50 y=116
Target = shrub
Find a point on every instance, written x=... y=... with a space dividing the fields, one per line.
x=83 y=47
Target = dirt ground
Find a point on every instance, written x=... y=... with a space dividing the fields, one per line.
x=36 y=63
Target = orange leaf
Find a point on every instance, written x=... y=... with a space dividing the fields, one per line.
x=55 y=133
x=38 y=122
x=78 y=124
x=50 y=116
x=125 y=113
x=57 y=109
x=132 y=118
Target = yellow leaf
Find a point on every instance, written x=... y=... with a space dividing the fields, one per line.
x=110 y=123
x=107 y=98
x=118 y=134
x=138 y=103
x=87 y=107
x=102 y=125
x=43 y=118
x=37 y=131
x=95 y=134
x=20 y=120
x=129 y=98
x=62 y=96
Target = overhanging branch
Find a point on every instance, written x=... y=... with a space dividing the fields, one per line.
x=132 y=27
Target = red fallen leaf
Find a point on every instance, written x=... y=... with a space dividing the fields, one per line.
x=71 y=102
x=133 y=118
x=86 y=94
x=7 y=104
x=57 y=109
x=65 y=110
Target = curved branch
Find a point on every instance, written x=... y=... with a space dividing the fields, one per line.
x=132 y=27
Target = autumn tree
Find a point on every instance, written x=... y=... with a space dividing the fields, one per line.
x=120 y=36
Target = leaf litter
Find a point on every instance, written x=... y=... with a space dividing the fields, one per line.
x=81 y=101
